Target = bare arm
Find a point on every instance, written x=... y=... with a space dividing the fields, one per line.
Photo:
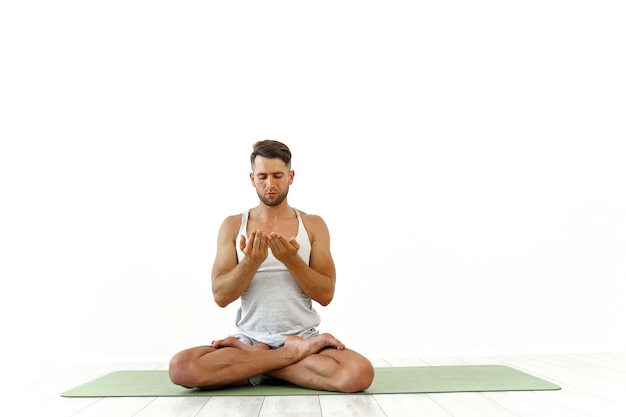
x=317 y=280
x=229 y=278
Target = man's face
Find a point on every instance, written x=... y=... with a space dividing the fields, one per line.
x=271 y=178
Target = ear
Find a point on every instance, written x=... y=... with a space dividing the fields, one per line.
x=252 y=178
x=291 y=175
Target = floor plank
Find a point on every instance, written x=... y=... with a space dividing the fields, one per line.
x=118 y=407
x=530 y=404
x=350 y=406
x=231 y=407
x=470 y=404
x=57 y=406
x=292 y=406
x=406 y=405
x=173 y=406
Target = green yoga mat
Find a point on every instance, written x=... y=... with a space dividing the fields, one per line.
x=393 y=380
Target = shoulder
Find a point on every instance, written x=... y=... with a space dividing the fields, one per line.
x=313 y=222
x=231 y=224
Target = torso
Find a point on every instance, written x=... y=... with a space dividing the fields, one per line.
x=274 y=306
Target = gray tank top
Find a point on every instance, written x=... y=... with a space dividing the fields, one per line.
x=273 y=306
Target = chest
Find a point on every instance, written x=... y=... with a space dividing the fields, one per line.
x=287 y=228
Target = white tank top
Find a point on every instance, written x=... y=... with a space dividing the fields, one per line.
x=273 y=306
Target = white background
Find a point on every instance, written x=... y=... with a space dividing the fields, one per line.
x=467 y=157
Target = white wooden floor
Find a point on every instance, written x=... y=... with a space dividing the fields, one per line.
x=593 y=384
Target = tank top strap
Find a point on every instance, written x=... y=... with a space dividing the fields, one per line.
x=243 y=229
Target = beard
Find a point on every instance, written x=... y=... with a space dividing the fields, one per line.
x=274 y=201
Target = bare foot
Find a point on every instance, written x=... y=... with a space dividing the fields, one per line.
x=233 y=342
x=304 y=348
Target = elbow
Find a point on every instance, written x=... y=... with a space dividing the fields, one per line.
x=221 y=297
x=326 y=294
x=221 y=304
x=325 y=300
x=221 y=301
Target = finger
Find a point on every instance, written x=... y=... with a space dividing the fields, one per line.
x=261 y=240
x=278 y=239
x=332 y=341
x=294 y=243
x=273 y=238
x=278 y=245
x=255 y=238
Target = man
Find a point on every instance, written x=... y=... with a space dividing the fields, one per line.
x=276 y=277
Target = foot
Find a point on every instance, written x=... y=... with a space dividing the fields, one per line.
x=233 y=342
x=303 y=347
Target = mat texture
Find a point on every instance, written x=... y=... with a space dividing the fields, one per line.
x=392 y=380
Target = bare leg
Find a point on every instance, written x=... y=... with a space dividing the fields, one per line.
x=330 y=370
x=229 y=362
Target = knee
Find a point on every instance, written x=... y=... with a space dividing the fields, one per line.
x=358 y=376
x=180 y=370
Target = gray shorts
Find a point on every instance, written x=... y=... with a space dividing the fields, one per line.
x=307 y=334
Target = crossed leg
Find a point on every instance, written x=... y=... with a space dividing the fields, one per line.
x=320 y=363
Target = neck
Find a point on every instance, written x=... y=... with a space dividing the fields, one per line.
x=273 y=212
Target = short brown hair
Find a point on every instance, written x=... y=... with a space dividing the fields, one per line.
x=271 y=149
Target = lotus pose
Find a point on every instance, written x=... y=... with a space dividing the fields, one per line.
x=276 y=260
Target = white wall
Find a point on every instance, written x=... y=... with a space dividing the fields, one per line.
x=467 y=157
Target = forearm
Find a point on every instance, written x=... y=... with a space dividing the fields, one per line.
x=229 y=286
x=317 y=286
